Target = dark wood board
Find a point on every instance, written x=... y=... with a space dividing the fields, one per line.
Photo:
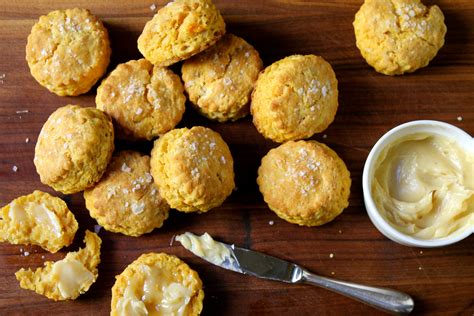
x=441 y=280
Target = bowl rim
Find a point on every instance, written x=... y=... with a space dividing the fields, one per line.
x=377 y=219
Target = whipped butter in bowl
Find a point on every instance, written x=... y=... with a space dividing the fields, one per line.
x=418 y=184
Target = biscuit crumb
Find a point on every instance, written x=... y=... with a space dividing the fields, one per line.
x=153 y=7
x=42 y=257
x=271 y=223
x=325 y=136
x=126 y=168
x=421 y=252
x=27 y=140
x=459 y=118
x=21 y=249
x=420 y=268
x=333 y=273
x=15 y=168
x=340 y=231
x=331 y=255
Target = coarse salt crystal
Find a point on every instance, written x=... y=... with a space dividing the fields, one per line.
x=42 y=257
x=27 y=140
x=26 y=253
x=193 y=146
x=459 y=118
x=15 y=168
x=227 y=81
x=324 y=91
x=312 y=108
x=97 y=228
x=331 y=255
x=125 y=191
x=126 y=204
x=223 y=159
x=153 y=7
x=300 y=91
x=126 y=168
x=139 y=111
x=138 y=208
x=148 y=177
x=195 y=172
x=325 y=136
x=212 y=145
x=271 y=223
x=153 y=191
x=411 y=13
x=247 y=54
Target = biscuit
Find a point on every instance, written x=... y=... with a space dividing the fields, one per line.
x=68 y=51
x=193 y=168
x=126 y=200
x=398 y=36
x=144 y=100
x=38 y=219
x=304 y=182
x=73 y=148
x=295 y=98
x=180 y=30
x=219 y=81
x=157 y=284
x=68 y=278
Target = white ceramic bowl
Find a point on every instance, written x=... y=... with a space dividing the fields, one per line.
x=463 y=139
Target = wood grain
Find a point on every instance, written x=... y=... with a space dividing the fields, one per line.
x=440 y=280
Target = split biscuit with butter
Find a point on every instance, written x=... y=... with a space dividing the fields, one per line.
x=180 y=30
x=73 y=148
x=304 y=182
x=398 y=36
x=68 y=51
x=294 y=98
x=126 y=200
x=193 y=168
x=144 y=100
x=219 y=81
x=38 y=219
x=68 y=278
x=157 y=284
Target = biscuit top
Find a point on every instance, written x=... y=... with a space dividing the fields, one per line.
x=299 y=178
x=66 y=46
x=157 y=284
x=145 y=100
x=193 y=166
x=400 y=35
x=179 y=30
x=126 y=199
x=38 y=219
x=74 y=148
x=294 y=98
x=219 y=80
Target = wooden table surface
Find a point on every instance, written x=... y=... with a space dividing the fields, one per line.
x=440 y=280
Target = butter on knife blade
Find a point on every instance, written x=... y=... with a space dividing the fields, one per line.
x=267 y=267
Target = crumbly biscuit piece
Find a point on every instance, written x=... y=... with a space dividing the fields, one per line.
x=74 y=147
x=68 y=51
x=180 y=30
x=38 y=219
x=193 y=169
x=219 y=81
x=145 y=100
x=398 y=36
x=126 y=200
x=157 y=284
x=68 y=278
x=304 y=182
x=295 y=98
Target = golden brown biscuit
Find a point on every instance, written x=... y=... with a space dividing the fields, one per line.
x=145 y=100
x=304 y=182
x=398 y=36
x=295 y=98
x=68 y=51
x=157 y=284
x=193 y=169
x=68 y=278
x=126 y=200
x=219 y=81
x=180 y=30
x=38 y=219
x=74 y=147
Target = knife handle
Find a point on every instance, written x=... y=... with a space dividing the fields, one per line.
x=382 y=298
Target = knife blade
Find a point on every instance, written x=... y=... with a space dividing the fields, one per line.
x=263 y=266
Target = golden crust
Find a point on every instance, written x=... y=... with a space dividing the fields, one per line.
x=145 y=100
x=68 y=51
x=74 y=147
x=219 y=81
x=398 y=36
x=304 y=182
x=126 y=200
x=46 y=281
x=38 y=219
x=295 y=98
x=180 y=30
x=164 y=267
x=193 y=169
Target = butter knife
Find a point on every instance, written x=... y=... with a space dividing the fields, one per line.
x=267 y=267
